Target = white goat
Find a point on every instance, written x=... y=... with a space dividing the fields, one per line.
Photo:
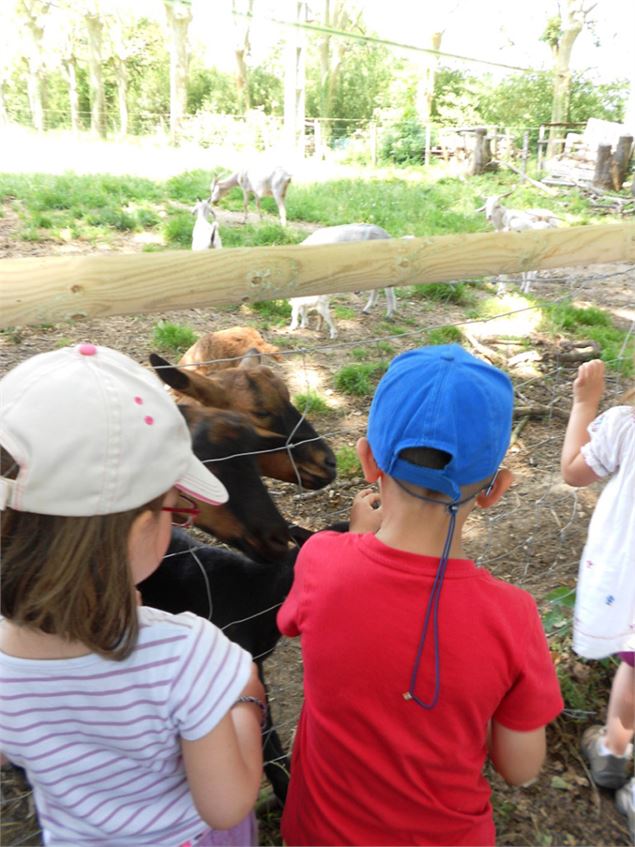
x=504 y=219
x=300 y=306
x=206 y=232
x=260 y=183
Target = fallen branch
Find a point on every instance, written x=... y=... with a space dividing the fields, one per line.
x=522 y=423
x=534 y=182
x=539 y=411
x=491 y=355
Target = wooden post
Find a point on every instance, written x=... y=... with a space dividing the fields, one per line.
x=621 y=160
x=373 y=143
x=482 y=155
x=541 y=148
x=523 y=166
x=317 y=138
x=426 y=158
x=494 y=142
x=602 y=177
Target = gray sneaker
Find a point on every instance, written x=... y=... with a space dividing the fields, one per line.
x=625 y=805
x=607 y=770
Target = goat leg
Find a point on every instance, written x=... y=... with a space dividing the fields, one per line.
x=277 y=764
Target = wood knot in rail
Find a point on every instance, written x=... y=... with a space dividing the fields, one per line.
x=275 y=275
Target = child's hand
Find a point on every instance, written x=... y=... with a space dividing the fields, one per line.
x=366 y=514
x=588 y=386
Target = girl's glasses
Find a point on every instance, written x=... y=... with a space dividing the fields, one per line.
x=183 y=516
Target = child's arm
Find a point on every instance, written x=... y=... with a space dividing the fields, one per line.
x=366 y=513
x=224 y=768
x=517 y=756
x=587 y=393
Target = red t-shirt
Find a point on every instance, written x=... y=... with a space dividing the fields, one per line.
x=368 y=767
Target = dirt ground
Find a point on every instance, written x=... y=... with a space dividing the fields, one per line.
x=533 y=538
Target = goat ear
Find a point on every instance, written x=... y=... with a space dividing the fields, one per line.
x=168 y=373
x=251 y=359
x=205 y=389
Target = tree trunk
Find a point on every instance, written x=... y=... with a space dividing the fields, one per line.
x=34 y=89
x=561 y=43
x=425 y=88
x=121 y=74
x=294 y=82
x=35 y=14
x=95 y=27
x=241 y=50
x=179 y=18
x=70 y=66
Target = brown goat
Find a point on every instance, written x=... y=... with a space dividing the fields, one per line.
x=223 y=349
x=227 y=443
x=297 y=452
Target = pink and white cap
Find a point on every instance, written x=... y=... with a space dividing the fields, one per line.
x=94 y=433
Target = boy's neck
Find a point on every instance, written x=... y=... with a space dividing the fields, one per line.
x=415 y=526
x=23 y=643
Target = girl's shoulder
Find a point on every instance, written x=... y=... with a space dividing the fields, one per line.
x=157 y=626
x=621 y=417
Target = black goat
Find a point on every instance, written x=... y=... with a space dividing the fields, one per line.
x=237 y=594
x=241 y=597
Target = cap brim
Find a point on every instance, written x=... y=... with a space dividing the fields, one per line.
x=199 y=482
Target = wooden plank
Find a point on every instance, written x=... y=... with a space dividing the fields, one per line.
x=51 y=289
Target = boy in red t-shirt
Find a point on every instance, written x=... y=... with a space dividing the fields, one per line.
x=417 y=664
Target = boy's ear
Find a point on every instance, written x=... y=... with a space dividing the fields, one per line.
x=492 y=495
x=370 y=467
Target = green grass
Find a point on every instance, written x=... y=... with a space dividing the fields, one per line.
x=444 y=292
x=404 y=202
x=347 y=462
x=344 y=313
x=617 y=348
x=177 y=229
x=274 y=312
x=311 y=403
x=444 y=335
x=173 y=338
x=359 y=380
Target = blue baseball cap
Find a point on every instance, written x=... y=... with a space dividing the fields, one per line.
x=444 y=398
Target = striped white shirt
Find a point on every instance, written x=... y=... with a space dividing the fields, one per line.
x=99 y=739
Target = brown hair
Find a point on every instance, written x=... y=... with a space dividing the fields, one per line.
x=70 y=576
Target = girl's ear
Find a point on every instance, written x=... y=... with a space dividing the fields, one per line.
x=498 y=487
x=371 y=470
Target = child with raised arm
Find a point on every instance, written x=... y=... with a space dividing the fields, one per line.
x=604 y=622
x=417 y=663
x=122 y=716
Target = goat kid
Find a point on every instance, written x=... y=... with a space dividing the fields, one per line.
x=222 y=349
x=296 y=452
x=206 y=232
x=261 y=183
x=301 y=306
x=504 y=219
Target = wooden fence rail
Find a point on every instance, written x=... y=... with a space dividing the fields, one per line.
x=52 y=289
